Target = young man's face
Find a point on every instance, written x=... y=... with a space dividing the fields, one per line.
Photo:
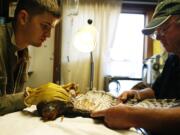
x=38 y=28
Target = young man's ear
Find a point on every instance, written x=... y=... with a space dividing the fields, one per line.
x=23 y=17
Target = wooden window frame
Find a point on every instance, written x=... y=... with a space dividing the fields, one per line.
x=57 y=51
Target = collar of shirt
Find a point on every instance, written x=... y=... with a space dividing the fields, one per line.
x=13 y=39
x=12 y=36
x=14 y=43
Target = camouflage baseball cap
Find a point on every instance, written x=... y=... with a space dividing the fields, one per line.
x=164 y=10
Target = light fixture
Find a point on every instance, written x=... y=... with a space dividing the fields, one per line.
x=85 y=40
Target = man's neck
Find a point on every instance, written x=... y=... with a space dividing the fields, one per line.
x=20 y=43
x=20 y=40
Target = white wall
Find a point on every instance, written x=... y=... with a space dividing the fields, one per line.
x=41 y=63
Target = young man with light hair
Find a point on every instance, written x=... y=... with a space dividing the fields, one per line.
x=164 y=26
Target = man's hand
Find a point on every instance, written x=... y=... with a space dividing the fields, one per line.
x=137 y=94
x=129 y=94
x=115 y=117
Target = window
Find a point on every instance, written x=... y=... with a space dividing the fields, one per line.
x=127 y=51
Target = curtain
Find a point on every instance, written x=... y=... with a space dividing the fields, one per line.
x=76 y=64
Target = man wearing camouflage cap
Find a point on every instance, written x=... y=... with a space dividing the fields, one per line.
x=164 y=26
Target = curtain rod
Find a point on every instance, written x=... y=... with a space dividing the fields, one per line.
x=139 y=2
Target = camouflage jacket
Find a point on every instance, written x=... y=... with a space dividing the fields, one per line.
x=13 y=66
